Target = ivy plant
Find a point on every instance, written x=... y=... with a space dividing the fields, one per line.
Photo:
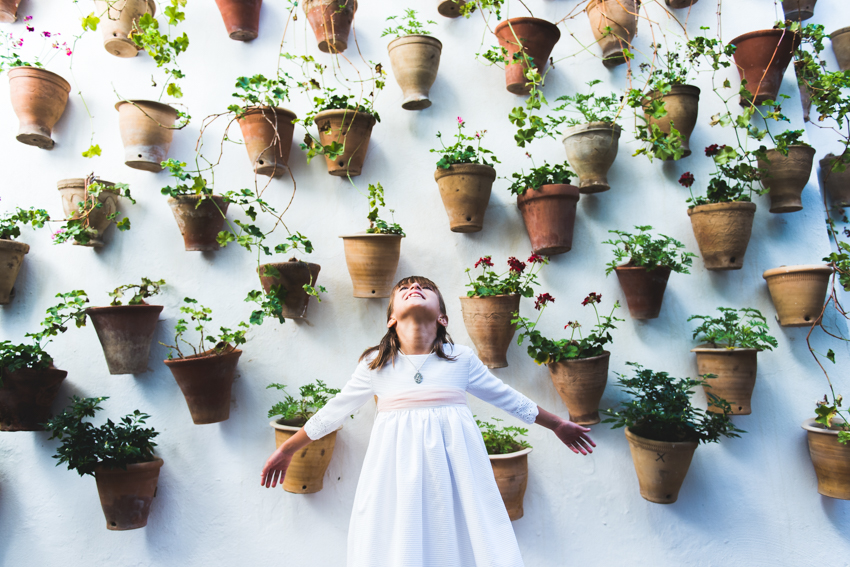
x=376 y=224
x=642 y=249
x=11 y=222
x=198 y=315
x=466 y=149
x=734 y=328
x=258 y=91
x=164 y=49
x=138 y=292
x=546 y=174
x=502 y=440
x=77 y=228
x=408 y=25
x=295 y=412
x=591 y=106
x=516 y=280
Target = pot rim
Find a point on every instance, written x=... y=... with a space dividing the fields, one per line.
x=815 y=427
x=572 y=194
x=627 y=267
x=676 y=444
x=204 y=356
x=513 y=455
x=156 y=104
x=154 y=464
x=594 y=3
x=804 y=147
x=527 y=20
x=591 y=127
x=713 y=207
x=343 y=111
x=264 y=108
x=688 y=91
x=112 y=308
x=183 y=198
x=761 y=33
x=50 y=75
x=307 y=4
x=11 y=243
x=605 y=354
x=723 y=350
x=489 y=296
x=415 y=38
x=782 y=270
x=80 y=182
x=370 y=235
x=281 y=427
x=49 y=370
x=286 y=263
x=481 y=169
x=839 y=31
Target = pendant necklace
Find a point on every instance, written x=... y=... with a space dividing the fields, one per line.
x=418 y=376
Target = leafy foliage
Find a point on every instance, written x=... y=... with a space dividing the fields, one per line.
x=78 y=228
x=296 y=412
x=148 y=288
x=376 y=224
x=514 y=281
x=735 y=328
x=468 y=7
x=592 y=107
x=463 y=150
x=11 y=222
x=224 y=343
x=544 y=175
x=409 y=25
x=163 y=48
x=642 y=250
x=51 y=45
x=258 y=91
x=733 y=178
x=502 y=440
x=177 y=170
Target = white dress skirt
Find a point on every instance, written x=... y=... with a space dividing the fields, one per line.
x=426 y=495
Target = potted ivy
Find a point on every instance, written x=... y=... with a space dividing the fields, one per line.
x=292 y=282
x=661 y=420
x=345 y=128
x=786 y=170
x=762 y=57
x=241 y=18
x=828 y=434
x=117 y=20
x=120 y=456
x=91 y=206
x=614 y=24
x=331 y=22
x=526 y=44
x=798 y=293
x=306 y=474
x=509 y=458
x=12 y=252
x=199 y=213
x=415 y=59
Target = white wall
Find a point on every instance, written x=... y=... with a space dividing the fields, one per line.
x=746 y=501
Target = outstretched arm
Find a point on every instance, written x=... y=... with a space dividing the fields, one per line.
x=277 y=464
x=571 y=434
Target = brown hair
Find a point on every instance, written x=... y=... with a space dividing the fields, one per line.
x=389 y=345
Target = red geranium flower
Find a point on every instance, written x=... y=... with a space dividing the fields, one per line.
x=542 y=300
x=687 y=179
x=516 y=265
x=485 y=261
x=592 y=298
x=535 y=259
x=713 y=150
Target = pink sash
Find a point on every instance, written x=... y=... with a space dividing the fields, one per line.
x=424 y=398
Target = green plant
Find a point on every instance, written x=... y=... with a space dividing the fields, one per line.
x=376 y=224
x=538 y=176
x=515 y=281
x=735 y=328
x=11 y=222
x=163 y=48
x=258 y=91
x=409 y=25
x=224 y=343
x=148 y=288
x=177 y=170
x=468 y=7
x=592 y=107
x=732 y=180
x=642 y=250
x=51 y=46
x=502 y=440
x=296 y=412
x=77 y=228
x=463 y=150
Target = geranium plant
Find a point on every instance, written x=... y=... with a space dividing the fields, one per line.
x=51 y=46
x=198 y=315
x=642 y=249
x=376 y=224
x=732 y=180
x=408 y=25
x=592 y=107
x=516 y=280
x=502 y=440
x=138 y=292
x=466 y=149
x=295 y=412
x=734 y=328
x=164 y=49
x=546 y=174
x=258 y=91
x=11 y=222
x=78 y=227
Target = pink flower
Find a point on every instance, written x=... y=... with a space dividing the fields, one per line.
x=68 y=51
x=53 y=236
x=460 y=121
x=28 y=18
x=30 y=29
x=45 y=33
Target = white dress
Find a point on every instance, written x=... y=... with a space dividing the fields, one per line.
x=427 y=496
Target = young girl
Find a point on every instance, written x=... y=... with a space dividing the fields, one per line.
x=426 y=495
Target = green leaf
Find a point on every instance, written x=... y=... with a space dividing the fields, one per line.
x=93 y=150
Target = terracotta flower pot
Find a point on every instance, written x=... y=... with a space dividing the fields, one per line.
x=415 y=60
x=798 y=293
x=73 y=192
x=9 y=11
x=268 y=138
x=787 y=176
x=351 y=129
x=293 y=276
x=841 y=47
x=536 y=38
x=549 y=214
x=488 y=322
x=831 y=460
x=580 y=383
x=836 y=183
x=682 y=106
x=723 y=232
x=38 y=98
x=125 y=333
x=805 y=95
x=661 y=467
x=306 y=472
x=199 y=225
x=621 y=16
x=644 y=289
x=26 y=397
x=511 y=472
x=736 y=375
x=11 y=259
x=146 y=132
x=762 y=57
x=450 y=8
x=465 y=189
x=331 y=22
x=799 y=10
x=117 y=19
x=591 y=150
x=206 y=380
x=241 y=18
x=681 y=3
x=372 y=261
x=126 y=495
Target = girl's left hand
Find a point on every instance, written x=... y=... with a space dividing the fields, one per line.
x=575 y=437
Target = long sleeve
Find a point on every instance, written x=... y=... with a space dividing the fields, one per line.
x=485 y=386
x=354 y=394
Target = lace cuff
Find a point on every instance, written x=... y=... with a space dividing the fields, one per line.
x=526 y=411
x=316 y=428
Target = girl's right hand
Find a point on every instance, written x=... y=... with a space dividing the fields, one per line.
x=275 y=469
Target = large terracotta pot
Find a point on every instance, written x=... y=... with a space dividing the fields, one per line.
x=268 y=133
x=241 y=18
x=681 y=3
x=786 y=177
x=723 y=232
x=450 y=8
x=841 y=47
x=126 y=495
x=580 y=383
x=351 y=129
x=799 y=10
x=621 y=16
x=661 y=467
x=682 y=106
x=511 y=472
x=117 y=19
x=415 y=60
x=125 y=333
x=465 y=189
x=306 y=472
x=372 y=261
x=9 y=11
x=26 y=397
x=644 y=289
x=591 y=150
x=830 y=458
x=836 y=183
x=206 y=380
x=38 y=98
x=11 y=259
x=331 y=22
x=73 y=192
x=488 y=322
x=798 y=293
x=762 y=57
x=534 y=37
x=549 y=214
x=199 y=225
x=293 y=276
x=146 y=132
x=736 y=375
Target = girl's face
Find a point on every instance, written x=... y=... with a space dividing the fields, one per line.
x=419 y=302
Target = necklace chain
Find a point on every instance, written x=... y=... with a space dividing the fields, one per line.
x=418 y=376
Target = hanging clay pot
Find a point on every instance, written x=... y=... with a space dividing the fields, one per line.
x=681 y=3
x=268 y=133
x=621 y=16
x=9 y=11
x=644 y=289
x=38 y=98
x=661 y=467
x=805 y=95
x=580 y=383
x=762 y=57
x=533 y=37
x=799 y=10
x=206 y=379
x=735 y=371
x=125 y=333
x=836 y=183
x=11 y=259
x=73 y=192
x=591 y=150
x=353 y=130
x=450 y=8
x=26 y=397
x=372 y=261
x=841 y=47
x=199 y=225
x=786 y=177
x=798 y=293
x=465 y=190
x=146 y=132
x=117 y=19
x=830 y=458
x=306 y=472
x=511 y=472
x=682 y=106
x=126 y=495
x=488 y=322
x=549 y=214
x=241 y=18
x=415 y=60
x=331 y=22
x=722 y=231
x=294 y=275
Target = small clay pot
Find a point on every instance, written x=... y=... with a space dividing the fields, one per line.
x=722 y=231
x=511 y=472
x=661 y=467
x=126 y=495
x=331 y=22
x=681 y=3
x=644 y=289
x=372 y=261
x=9 y=11
x=488 y=322
x=206 y=380
x=580 y=383
x=146 y=132
x=268 y=134
x=799 y=10
x=836 y=183
x=798 y=293
x=73 y=192
x=199 y=225
x=353 y=130
x=415 y=60
x=841 y=47
x=762 y=57
x=549 y=214
x=534 y=37
x=735 y=369
x=294 y=275
x=117 y=19
x=241 y=18
x=621 y=16
x=26 y=397
x=306 y=472
x=682 y=106
x=786 y=177
x=125 y=333
x=450 y=8
x=591 y=150
x=11 y=259
x=830 y=458
x=38 y=98
x=465 y=190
